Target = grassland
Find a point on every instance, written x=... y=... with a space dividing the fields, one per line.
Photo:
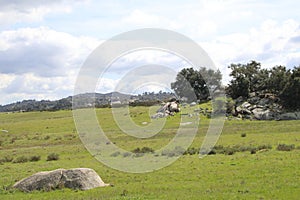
x=264 y=174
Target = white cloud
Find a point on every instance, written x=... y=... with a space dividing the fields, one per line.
x=30 y=86
x=42 y=51
x=40 y=63
x=271 y=44
x=14 y=11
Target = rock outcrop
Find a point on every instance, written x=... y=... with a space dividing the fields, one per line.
x=168 y=109
x=262 y=107
x=78 y=178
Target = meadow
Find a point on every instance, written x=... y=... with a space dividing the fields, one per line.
x=252 y=159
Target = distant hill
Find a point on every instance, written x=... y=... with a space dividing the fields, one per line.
x=86 y=100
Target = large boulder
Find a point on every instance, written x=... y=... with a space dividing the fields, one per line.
x=167 y=109
x=262 y=114
x=78 y=178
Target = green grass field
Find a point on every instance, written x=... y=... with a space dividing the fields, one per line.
x=267 y=173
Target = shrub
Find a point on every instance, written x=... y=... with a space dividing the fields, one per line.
x=126 y=154
x=168 y=153
x=34 y=158
x=52 y=156
x=47 y=137
x=285 y=147
x=13 y=139
x=212 y=152
x=191 y=151
x=253 y=151
x=143 y=150
x=115 y=154
x=138 y=154
x=245 y=148
x=7 y=159
x=229 y=151
x=264 y=146
x=21 y=159
x=243 y=135
x=179 y=150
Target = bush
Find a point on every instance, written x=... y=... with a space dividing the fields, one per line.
x=264 y=146
x=126 y=154
x=34 y=158
x=178 y=150
x=138 y=155
x=47 y=137
x=253 y=151
x=21 y=159
x=7 y=159
x=212 y=152
x=229 y=151
x=243 y=135
x=143 y=150
x=52 y=156
x=191 y=151
x=285 y=147
x=168 y=152
x=115 y=154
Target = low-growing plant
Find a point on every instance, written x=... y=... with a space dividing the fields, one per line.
x=21 y=159
x=167 y=152
x=191 y=151
x=127 y=154
x=285 y=147
x=243 y=135
x=143 y=150
x=34 y=158
x=13 y=139
x=264 y=146
x=52 y=156
x=138 y=154
x=229 y=151
x=6 y=159
x=253 y=151
x=115 y=154
x=212 y=152
x=179 y=150
x=47 y=137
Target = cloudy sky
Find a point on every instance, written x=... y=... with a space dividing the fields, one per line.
x=43 y=43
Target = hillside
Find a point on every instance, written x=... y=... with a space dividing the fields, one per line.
x=86 y=100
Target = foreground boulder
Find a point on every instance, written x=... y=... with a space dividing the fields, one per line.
x=78 y=178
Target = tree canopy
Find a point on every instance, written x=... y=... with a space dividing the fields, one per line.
x=196 y=84
x=280 y=81
x=245 y=79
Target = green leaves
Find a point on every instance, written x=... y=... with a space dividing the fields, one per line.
x=196 y=84
x=283 y=83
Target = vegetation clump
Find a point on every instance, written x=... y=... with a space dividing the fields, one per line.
x=21 y=159
x=285 y=147
x=52 y=156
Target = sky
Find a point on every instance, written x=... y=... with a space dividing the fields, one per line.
x=43 y=44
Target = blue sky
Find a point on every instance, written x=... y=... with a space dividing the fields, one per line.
x=43 y=43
